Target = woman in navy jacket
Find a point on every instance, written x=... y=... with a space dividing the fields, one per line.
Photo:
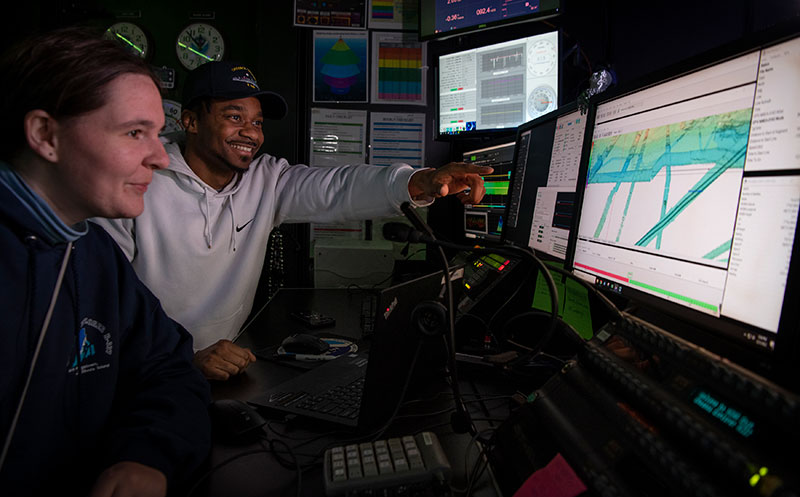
x=98 y=395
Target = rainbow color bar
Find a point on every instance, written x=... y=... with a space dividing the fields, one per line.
x=400 y=72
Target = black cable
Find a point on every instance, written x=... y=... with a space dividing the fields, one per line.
x=467 y=472
x=297 y=468
x=521 y=285
x=544 y=269
x=219 y=465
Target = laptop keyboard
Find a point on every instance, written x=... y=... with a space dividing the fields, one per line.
x=342 y=400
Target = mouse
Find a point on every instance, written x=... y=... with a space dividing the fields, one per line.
x=236 y=422
x=303 y=343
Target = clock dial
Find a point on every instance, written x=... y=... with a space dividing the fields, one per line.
x=130 y=36
x=199 y=43
x=541 y=101
x=172 y=115
x=542 y=58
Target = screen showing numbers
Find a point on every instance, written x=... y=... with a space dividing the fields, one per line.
x=441 y=18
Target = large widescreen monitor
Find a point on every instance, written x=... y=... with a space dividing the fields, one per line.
x=498 y=86
x=444 y=18
x=691 y=198
x=484 y=220
x=544 y=178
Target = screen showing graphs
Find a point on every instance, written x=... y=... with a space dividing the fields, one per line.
x=693 y=189
x=485 y=220
x=498 y=86
x=544 y=180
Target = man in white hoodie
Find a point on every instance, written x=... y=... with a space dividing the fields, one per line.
x=201 y=241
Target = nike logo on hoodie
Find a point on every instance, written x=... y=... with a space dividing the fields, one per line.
x=240 y=228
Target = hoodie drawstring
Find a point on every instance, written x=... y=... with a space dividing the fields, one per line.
x=207 y=215
x=233 y=223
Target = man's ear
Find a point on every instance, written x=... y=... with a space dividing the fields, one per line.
x=40 y=133
x=189 y=121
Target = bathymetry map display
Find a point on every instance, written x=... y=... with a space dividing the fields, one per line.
x=678 y=178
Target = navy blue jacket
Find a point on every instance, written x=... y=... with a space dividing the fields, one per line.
x=114 y=380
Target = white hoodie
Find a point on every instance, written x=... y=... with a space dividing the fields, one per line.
x=201 y=251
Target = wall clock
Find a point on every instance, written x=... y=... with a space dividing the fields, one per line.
x=199 y=43
x=130 y=36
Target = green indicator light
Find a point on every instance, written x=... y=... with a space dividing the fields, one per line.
x=451 y=110
x=754 y=480
x=509 y=175
x=762 y=471
x=453 y=89
x=194 y=51
x=473 y=157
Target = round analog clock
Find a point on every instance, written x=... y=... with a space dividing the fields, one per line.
x=199 y=43
x=130 y=36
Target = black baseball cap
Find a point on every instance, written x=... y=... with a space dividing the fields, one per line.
x=230 y=80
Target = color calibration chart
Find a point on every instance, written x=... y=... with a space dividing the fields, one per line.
x=398 y=69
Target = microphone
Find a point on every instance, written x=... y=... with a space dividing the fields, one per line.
x=460 y=419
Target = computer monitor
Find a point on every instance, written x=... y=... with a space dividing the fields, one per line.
x=444 y=18
x=544 y=178
x=485 y=220
x=499 y=86
x=690 y=203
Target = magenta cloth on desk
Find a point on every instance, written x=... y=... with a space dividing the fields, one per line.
x=557 y=479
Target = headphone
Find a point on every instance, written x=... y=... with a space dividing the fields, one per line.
x=429 y=317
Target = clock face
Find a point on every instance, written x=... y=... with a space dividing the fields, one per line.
x=172 y=115
x=199 y=43
x=542 y=58
x=130 y=36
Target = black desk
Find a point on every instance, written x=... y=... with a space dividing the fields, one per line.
x=256 y=471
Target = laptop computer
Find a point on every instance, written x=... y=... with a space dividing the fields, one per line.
x=361 y=390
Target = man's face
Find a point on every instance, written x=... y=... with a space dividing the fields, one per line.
x=106 y=157
x=230 y=134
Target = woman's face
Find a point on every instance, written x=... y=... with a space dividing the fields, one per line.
x=105 y=158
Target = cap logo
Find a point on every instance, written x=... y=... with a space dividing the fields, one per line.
x=246 y=78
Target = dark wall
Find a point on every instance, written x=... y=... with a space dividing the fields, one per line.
x=258 y=34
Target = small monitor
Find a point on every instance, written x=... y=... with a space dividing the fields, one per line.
x=498 y=87
x=691 y=198
x=444 y=18
x=544 y=179
x=485 y=220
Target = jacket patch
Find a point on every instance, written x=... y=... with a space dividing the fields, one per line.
x=95 y=348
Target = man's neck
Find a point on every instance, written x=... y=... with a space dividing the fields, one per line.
x=214 y=176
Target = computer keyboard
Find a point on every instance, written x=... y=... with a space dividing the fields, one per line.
x=342 y=400
x=409 y=465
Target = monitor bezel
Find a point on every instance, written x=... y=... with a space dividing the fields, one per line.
x=587 y=140
x=466 y=43
x=722 y=336
x=480 y=28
